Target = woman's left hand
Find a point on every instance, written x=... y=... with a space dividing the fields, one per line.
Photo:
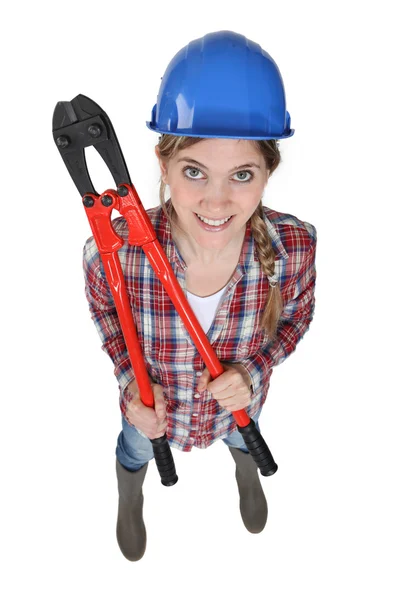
x=231 y=389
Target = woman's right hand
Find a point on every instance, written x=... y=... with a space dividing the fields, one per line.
x=151 y=421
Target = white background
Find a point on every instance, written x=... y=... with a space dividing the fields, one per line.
x=331 y=415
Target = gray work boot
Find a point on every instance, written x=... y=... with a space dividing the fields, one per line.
x=253 y=505
x=131 y=531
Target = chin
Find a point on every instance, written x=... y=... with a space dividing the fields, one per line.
x=210 y=241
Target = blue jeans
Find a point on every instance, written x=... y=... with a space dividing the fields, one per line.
x=133 y=450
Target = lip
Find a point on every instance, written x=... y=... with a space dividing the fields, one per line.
x=211 y=227
x=213 y=218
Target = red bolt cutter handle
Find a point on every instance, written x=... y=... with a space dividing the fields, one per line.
x=81 y=123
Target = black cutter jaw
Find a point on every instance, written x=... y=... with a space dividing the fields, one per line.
x=82 y=123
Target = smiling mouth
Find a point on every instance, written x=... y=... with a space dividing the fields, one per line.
x=212 y=222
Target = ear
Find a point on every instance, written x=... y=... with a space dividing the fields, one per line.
x=163 y=165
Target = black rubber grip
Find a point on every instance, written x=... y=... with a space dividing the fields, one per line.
x=164 y=460
x=258 y=449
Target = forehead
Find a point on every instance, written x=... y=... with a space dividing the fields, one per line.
x=221 y=152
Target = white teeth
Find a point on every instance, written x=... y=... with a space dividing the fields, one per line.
x=215 y=223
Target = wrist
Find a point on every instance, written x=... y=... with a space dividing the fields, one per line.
x=244 y=373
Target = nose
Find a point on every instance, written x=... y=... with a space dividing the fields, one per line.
x=216 y=198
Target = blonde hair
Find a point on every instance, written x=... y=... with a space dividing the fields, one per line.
x=168 y=146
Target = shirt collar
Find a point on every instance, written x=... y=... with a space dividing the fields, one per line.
x=277 y=244
x=248 y=253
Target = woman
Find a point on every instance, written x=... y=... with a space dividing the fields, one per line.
x=248 y=271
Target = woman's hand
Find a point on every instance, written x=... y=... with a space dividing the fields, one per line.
x=151 y=421
x=231 y=389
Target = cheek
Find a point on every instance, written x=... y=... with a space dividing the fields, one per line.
x=248 y=199
x=185 y=193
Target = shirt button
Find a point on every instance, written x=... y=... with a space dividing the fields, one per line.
x=195 y=414
x=197 y=395
x=199 y=373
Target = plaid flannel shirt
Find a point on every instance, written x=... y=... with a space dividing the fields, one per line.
x=172 y=360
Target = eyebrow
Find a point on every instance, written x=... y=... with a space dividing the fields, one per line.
x=188 y=159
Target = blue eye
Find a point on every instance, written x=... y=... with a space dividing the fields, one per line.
x=191 y=169
x=245 y=173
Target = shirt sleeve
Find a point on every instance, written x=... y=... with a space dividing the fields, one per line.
x=294 y=322
x=105 y=317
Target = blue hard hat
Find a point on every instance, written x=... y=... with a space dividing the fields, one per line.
x=222 y=85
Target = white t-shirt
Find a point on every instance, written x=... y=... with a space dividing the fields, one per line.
x=205 y=308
